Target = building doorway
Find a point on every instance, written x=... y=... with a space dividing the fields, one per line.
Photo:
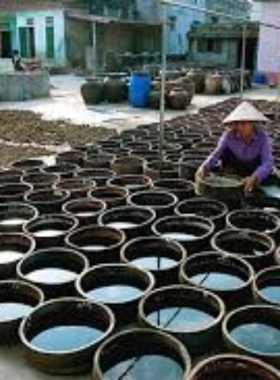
x=6 y=44
x=27 y=42
x=251 y=49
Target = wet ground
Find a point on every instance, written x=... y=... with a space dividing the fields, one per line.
x=66 y=103
x=63 y=119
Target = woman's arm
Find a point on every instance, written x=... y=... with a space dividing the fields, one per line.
x=267 y=160
x=213 y=159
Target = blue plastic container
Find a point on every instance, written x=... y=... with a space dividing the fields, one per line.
x=259 y=78
x=139 y=89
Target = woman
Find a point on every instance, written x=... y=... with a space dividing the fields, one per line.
x=16 y=59
x=243 y=149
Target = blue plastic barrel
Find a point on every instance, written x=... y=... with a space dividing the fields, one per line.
x=259 y=78
x=139 y=89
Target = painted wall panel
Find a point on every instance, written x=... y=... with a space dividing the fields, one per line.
x=40 y=18
x=269 y=43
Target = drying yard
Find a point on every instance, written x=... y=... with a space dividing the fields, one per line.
x=93 y=217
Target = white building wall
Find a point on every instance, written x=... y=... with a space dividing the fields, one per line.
x=269 y=41
x=39 y=18
x=183 y=19
x=256 y=11
x=148 y=9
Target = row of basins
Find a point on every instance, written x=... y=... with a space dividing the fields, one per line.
x=110 y=267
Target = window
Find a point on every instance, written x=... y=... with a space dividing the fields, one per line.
x=27 y=42
x=172 y=22
x=215 y=20
x=49 y=39
x=209 y=46
x=30 y=22
x=49 y=20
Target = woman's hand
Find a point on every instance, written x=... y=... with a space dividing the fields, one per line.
x=201 y=173
x=250 y=183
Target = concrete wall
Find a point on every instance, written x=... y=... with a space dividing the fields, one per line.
x=78 y=38
x=18 y=87
x=39 y=18
x=227 y=58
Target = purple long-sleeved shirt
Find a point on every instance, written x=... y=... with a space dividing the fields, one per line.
x=244 y=151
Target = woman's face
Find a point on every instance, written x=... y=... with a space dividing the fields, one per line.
x=243 y=128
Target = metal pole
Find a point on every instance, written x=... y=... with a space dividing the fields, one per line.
x=94 y=49
x=278 y=97
x=163 y=82
x=243 y=60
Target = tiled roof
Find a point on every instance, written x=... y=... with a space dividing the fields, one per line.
x=14 y=5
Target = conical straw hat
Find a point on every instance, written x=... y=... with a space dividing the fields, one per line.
x=245 y=112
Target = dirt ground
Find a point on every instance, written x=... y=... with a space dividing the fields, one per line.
x=25 y=127
x=29 y=127
x=9 y=154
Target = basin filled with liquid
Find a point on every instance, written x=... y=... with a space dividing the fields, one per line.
x=14 y=192
x=232 y=367
x=54 y=270
x=11 y=175
x=141 y=354
x=17 y=300
x=40 y=180
x=14 y=215
x=100 y=176
x=267 y=286
x=208 y=208
x=85 y=210
x=113 y=196
x=192 y=315
x=78 y=187
x=49 y=230
x=48 y=201
x=229 y=277
x=254 y=330
x=134 y=221
x=255 y=247
x=162 y=202
x=159 y=256
x=72 y=156
x=131 y=165
x=118 y=286
x=132 y=183
x=257 y=220
x=181 y=188
x=99 y=244
x=64 y=169
x=62 y=335
x=29 y=164
x=192 y=231
x=13 y=248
